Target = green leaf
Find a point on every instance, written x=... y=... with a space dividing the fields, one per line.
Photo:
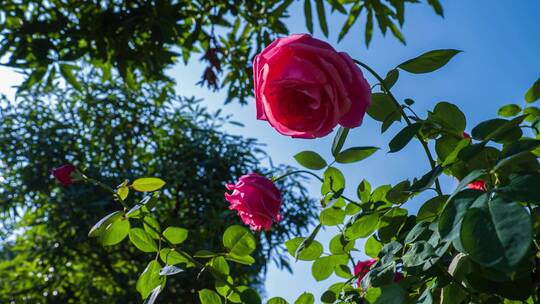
x=449 y=117
x=509 y=110
x=332 y=216
x=305 y=298
x=454 y=211
x=322 y=268
x=351 y=19
x=220 y=265
x=309 y=17
x=506 y=234
x=364 y=191
x=175 y=256
x=437 y=7
x=311 y=160
x=391 y=78
x=67 y=72
x=175 y=235
x=339 y=140
x=355 y=154
x=469 y=178
x=382 y=107
x=497 y=129
x=100 y=226
x=309 y=253
x=368 y=33
x=390 y=223
x=522 y=188
x=396 y=32
x=427 y=180
x=404 y=137
x=207 y=296
x=419 y=253
x=115 y=232
x=429 y=61
x=148 y=184
x=151 y=226
x=362 y=227
x=239 y=240
x=392 y=294
x=277 y=300
x=150 y=279
x=372 y=247
x=142 y=240
x=240 y=259
x=430 y=209
x=322 y=17
x=533 y=93
x=333 y=181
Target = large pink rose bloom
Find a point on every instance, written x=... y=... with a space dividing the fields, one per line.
x=256 y=199
x=304 y=87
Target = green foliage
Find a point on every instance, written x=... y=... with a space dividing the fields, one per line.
x=311 y=160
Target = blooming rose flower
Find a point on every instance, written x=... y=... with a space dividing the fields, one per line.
x=477 y=185
x=362 y=268
x=63 y=174
x=304 y=87
x=256 y=199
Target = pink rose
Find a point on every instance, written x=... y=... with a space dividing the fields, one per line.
x=64 y=174
x=256 y=199
x=304 y=87
x=362 y=268
x=477 y=185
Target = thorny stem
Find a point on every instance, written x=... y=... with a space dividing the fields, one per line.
x=405 y=117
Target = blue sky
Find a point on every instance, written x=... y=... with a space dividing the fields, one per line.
x=501 y=59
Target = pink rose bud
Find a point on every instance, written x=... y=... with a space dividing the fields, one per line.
x=256 y=199
x=304 y=87
x=64 y=174
x=477 y=185
x=362 y=268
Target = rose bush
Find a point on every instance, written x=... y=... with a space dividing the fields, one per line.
x=465 y=246
x=304 y=88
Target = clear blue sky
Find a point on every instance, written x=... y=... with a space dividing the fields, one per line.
x=501 y=59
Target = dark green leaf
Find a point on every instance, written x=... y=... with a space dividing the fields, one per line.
x=391 y=78
x=454 y=211
x=404 y=137
x=67 y=72
x=322 y=16
x=355 y=154
x=429 y=61
x=430 y=209
x=506 y=234
x=437 y=7
x=311 y=160
x=307 y=14
x=427 y=180
x=351 y=19
x=522 y=188
x=419 y=253
x=369 y=28
x=382 y=107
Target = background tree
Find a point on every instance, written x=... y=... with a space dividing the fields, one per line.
x=118 y=134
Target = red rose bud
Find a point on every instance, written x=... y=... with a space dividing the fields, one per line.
x=477 y=185
x=362 y=268
x=64 y=174
x=256 y=199
x=398 y=276
x=466 y=135
x=304 y=87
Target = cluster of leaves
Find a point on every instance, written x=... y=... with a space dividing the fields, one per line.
x=117 y=134
x=468 y=246
x=140 y=39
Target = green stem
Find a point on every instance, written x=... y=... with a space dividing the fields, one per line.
x=405 y=117
x=298 y=172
